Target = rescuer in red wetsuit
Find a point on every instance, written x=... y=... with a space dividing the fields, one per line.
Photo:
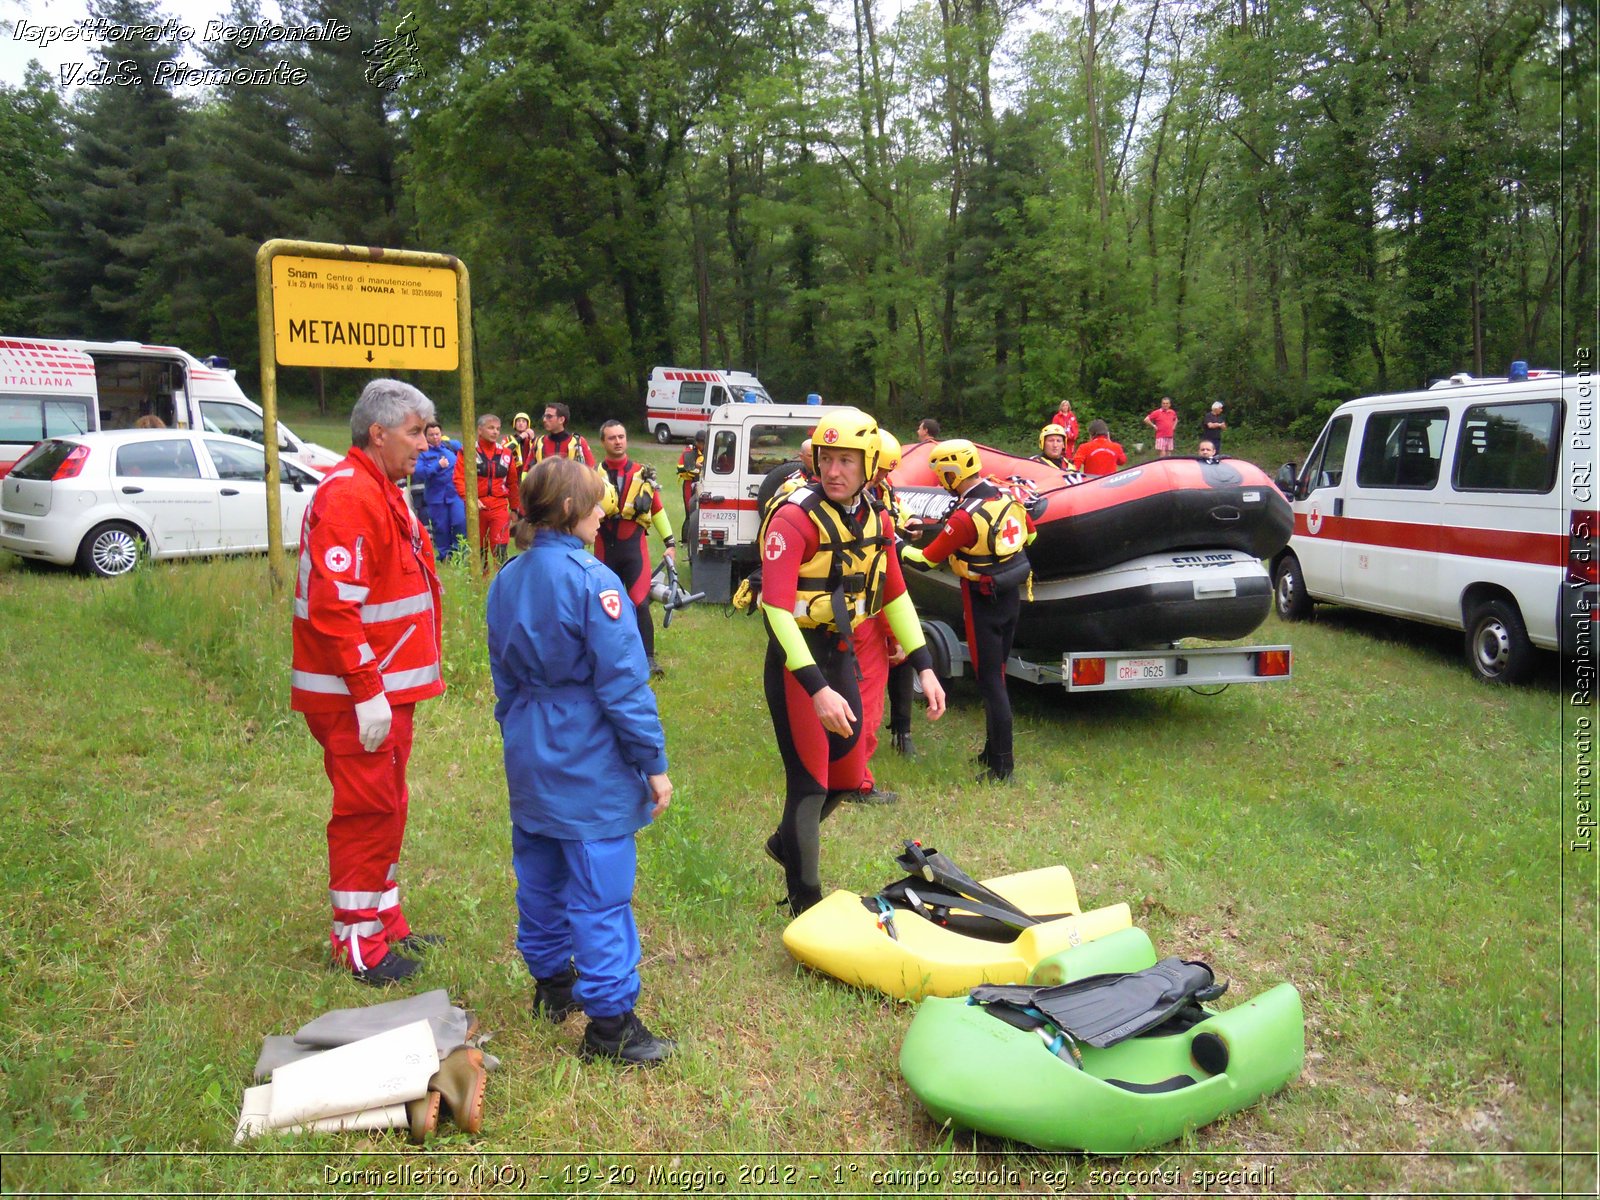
x=557 y=442
x=496 y=468
x=983 y=538
x=826 y=565
x=623 y=542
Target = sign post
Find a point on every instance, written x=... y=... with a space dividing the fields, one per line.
x=319 y=304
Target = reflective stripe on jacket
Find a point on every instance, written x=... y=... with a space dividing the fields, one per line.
x=367 y=599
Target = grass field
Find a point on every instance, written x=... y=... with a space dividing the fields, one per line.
x=1381 y=831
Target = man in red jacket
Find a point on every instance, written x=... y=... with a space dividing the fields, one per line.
x=497 y=479
x=367 y=635
x=1099 y=455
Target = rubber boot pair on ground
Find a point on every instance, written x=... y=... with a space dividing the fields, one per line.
x=455 y=1090
x=623 y=1038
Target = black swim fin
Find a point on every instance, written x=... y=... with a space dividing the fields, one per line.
x=1103 y=1010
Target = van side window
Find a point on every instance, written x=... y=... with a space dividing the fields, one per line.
x=691 y=393
x=30 y=419
x=723 y=452
x=1402 y=449
x=1325 y=466
x=1508 y=447
x=719 y=397
x=773 y=445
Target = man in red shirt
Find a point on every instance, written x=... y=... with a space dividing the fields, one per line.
x=497 y=467
x=623 y=542
x=367 y=636
x=557 y=442
x=1099 y=455
x=1164 y=421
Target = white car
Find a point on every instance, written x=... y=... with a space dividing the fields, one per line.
x=104 y=500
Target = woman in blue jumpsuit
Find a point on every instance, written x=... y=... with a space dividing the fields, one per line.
x=447 y=514
x=585 y=759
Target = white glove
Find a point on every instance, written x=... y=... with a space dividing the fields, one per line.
x=373 y=718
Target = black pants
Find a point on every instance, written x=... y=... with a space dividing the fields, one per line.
x=901 y=678
x=819 y=767
x=991 y=627
x=625 y=556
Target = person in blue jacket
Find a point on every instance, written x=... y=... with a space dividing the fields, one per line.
x=585 y=759
x=447 y=514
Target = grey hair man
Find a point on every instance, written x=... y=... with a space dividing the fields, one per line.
x=367 y=646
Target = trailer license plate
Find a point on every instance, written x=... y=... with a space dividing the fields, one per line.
x=14 y=528
x=1142 y=668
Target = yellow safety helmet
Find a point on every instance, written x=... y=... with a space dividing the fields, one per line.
x=1052 y=430
x=847 y=429
x=955 y=462
x=888 y=450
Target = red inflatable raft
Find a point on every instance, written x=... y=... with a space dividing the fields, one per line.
x=1141 y=558
x=1088 y=523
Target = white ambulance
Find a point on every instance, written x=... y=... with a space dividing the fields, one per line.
x=46 y=390
x=1470 y=505
x=680 y=400
x=132 y=380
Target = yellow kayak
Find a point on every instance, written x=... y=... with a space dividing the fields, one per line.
x=909 y=957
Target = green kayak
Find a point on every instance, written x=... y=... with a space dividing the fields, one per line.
x=974 y=1070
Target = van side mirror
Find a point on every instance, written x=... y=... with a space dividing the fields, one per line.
x=1285 y=479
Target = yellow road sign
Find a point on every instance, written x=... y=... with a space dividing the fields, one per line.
x=330 y=312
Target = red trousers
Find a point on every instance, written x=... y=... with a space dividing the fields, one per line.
x=364 y=834
x=872 y=656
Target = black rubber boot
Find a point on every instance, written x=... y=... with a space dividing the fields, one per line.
x=998 y=770
x=803 y=898
x=418 y=944
x=552 y=996
x=903 y=746
x=626 y=1039
x=391 y=968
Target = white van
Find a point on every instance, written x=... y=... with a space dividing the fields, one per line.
x=134 y=380
x=45 y=391
x=680 y=400
x=1470 y=505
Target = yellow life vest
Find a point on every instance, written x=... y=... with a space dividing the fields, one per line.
x=1002 y=533
x=857 y=563
x=639 y=497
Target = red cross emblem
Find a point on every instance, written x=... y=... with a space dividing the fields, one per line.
x=337 y=559
x=1010 y=532
x=611 y=602
x=831 y=436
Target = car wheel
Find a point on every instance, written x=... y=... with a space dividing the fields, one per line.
x=663 y=434
x=110 y=550
x=1289 y=590
x=1497 y=643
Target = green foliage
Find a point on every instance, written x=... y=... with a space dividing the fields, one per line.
x=950 y=210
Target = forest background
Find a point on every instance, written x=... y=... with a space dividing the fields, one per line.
x=961 y=208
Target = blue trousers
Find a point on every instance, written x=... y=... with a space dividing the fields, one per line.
x=575 y=902
x=447 y=519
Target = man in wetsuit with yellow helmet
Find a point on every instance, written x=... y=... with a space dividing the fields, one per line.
x=983 y=537
x=826 y=565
